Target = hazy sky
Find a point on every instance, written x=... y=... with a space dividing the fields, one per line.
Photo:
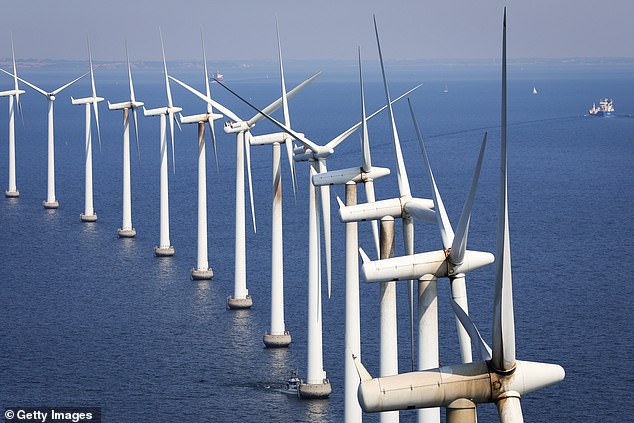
x=245 y=29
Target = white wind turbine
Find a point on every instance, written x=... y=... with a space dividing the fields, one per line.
x=202 y=271
x=278 y=336
x=317 y=384
x=89 y=214
x=126 y=230
x=50 y=202
x=241 y=298
x=12 y=190
x=498 y=377
x=351 y=177
x=165 y=248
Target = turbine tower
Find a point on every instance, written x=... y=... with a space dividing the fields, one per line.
x=127 y=230
x=165 y=248
x=12 y=190
x=89 y=214
x=498 y=377
x=351 y=177
x=242 y=128
x=278 y=336
x=202 y=271
x=50 y=202
x=317 y=384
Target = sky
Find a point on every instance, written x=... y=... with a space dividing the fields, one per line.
x=244 y=30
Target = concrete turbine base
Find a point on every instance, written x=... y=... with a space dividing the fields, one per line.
x=315 y=390
x=239 y=303
x=277 y=341
x=164 y=251
x=126 y=233
x=12 y=194
x=50 y=204
x=202 y=274
x=88 y=217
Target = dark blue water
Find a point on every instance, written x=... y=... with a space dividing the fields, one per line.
x=90 y=319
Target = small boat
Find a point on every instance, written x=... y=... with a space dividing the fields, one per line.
x=217 y=76
x=446 y=90
x=291 y=387
x=606 y=108
x=534 y=90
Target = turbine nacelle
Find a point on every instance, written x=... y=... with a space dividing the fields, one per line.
x=161 y=111
x=201 y=118
x=414 y=267
x=353 y=174
x=86 y=100
x=11 y=92
x=309 y=154
x=277 y=137
x=125 y=105
x=235 y=127
x=440 y=387
x=395 y=207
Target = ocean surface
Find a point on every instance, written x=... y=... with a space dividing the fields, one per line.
x=87 y=319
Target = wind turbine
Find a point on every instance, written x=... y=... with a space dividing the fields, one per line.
x=202 y=270
x=50 y=202
x=165 y=249
x=126 y=230
x=89 y=214
x=317 y=384
x=241 y=298
x=278 y=336
x=12 y=190
x=365 y=174
x=498 y=377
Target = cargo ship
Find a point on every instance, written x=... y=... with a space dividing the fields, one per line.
x=606 y=108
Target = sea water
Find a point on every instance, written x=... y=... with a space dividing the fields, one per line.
x=87 y=319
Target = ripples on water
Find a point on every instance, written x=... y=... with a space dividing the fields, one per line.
x=89 y=319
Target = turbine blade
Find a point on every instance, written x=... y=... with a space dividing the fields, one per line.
x=291 y=164
x=96 y=109
x=207 y=99
x=172 y=118
x=167 y=82
x=287 y=119
x=503 y=316
x=247 y=145
x=127 y=57
x=283 y=127
x=92 y=73
x=510 y=410
x=213 y=142
x=483 y=349
x=364 y=256
x=277 y=103
x=365 y=140
x=325 y=209
x=459 y=244
x=369 y=194
x=341 y=137
x=364 y=375
x=136 y=132
x=446 y=232
x=403 y=182
x=15 y=80
x=60 y=89
x=39 y=90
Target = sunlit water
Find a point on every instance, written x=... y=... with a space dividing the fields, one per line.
x=90 y=319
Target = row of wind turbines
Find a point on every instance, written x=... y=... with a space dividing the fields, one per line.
x=495 y=377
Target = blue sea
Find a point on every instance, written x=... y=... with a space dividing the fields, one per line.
x=87 y=319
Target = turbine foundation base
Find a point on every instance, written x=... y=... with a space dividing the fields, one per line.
x=277 y=341
x=315 y=390
x=126 y=233
x=12 y=194
x=88 y=217
x=50 y=204
x=239 y=303
x=164 y=251
x=202 y=274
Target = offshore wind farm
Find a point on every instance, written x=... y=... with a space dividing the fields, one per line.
x=366 y=301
